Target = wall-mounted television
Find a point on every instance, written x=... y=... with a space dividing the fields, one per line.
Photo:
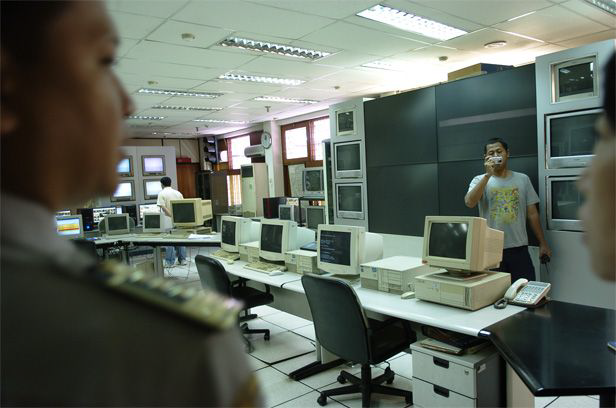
x=125 y=167
x=345 y=122
x=563 y=201
x=349 y=201
x=570 y=138
x=153 y=165
x=125 y=191
x=151 y=188
x=575 y=79
x=347 y=159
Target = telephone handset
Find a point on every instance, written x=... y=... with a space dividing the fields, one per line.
x=524 y=293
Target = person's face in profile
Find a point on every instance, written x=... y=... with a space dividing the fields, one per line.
x=70 y=102
x=598 y=211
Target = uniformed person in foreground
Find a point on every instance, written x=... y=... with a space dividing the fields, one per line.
x=75 y=332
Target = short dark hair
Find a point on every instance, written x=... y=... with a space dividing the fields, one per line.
x=495 y=140
x=165 y=181
x=609 y=97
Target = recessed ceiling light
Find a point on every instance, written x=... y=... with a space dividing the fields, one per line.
x=188 y=108
x=262 y=79
x=495 y=44
x=139 y=117
x=232 y=122
x=280 y=49
x=188 y=36
x=284 y=100
x=605 y=5
x=410 y=22
x=523 y=15
x=171 y=92
x=443 y=58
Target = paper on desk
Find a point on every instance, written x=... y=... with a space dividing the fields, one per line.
x=198 y=236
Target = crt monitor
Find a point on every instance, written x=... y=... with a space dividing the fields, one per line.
x=125 y=191
x=125 y=167
x=347 y=159
x=153 y=165
x=286 y=212
x=151 y=188
x=190 y=212
x=147 y=208
x=116 y=224
x=341 y=249
x=312 y=180
x=349 y=201
x=69 y=226
x=237 y=231
x=152 y=222
x=315 y=215
x=101 y=212
x=461 y=244
x=279 y=236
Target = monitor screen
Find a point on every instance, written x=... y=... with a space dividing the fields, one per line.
x=124 y=189
x=335 y=247
x=63 y=212
x=448 y=240
x=152 y=187
x=68 y=226
x=284 y=212
x=313 y=180
x=576 y=79
x=228 y=232
x=183 y=212
x=148 y=208
x=345 y=121
x=124 y=166
x=151 y=221
x=102 y=212
x=117 y=223
x=573 y=135
x=347 y=157
x=349 y=198
x=271 y=238
x=315 y=216
x=153 y=164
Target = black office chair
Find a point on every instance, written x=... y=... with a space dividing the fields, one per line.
x=342 y=328
x=213 y=276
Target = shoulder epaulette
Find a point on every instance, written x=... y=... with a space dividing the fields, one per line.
x=203 y=306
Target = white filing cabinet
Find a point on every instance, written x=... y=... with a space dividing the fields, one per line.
x=446 y=380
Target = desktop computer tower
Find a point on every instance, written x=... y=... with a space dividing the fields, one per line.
x=270 y=206
x=254 y=189
x=87 y=216
x=131 y=210
x=218 y=192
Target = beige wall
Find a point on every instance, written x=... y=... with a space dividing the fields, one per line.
x=183 y=147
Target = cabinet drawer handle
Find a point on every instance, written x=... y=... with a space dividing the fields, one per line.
x=444 y=392
x=440 y=362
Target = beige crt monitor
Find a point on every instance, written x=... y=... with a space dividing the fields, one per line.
x=190 y=212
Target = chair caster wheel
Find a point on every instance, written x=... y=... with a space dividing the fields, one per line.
x=266 y=337
x=322 y=400
x=341 y=379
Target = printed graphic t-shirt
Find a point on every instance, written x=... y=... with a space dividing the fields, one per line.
x=503 y=204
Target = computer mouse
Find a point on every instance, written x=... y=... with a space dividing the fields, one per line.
x=408 y=295
x=275 y=273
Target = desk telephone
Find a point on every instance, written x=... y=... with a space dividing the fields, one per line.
x=524 y=293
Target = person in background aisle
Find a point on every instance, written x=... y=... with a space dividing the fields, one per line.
x=507 y=200
x=598 y=184
x=76 y=332
x=164 y=202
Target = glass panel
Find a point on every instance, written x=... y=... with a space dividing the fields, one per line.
x=320 y=133
x=348 y=157
x=573 y=135
x=296 y=142
x=238 y=144
x=575 y=79
x=566 y=199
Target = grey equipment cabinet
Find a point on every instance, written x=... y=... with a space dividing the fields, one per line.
x=446 y=380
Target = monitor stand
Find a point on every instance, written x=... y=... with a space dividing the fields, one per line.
x=460 y=276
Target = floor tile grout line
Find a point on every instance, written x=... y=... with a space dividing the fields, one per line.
x=551 y=402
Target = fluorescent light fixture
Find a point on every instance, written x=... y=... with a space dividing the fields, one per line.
x=523 y=15
x=139 y=117
x=262 y=79
x=280 y=49
x=385 y=65
x=170 y=92
x=284 y=100
x=232 y=122
x=605 y=5
x=187 y=108
x=410 y=22
x=522 y=36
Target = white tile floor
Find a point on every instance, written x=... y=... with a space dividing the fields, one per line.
x=291 y=335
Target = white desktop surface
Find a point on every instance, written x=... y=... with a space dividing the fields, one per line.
x=420 y=311
x=163 y=238
x=237 y=269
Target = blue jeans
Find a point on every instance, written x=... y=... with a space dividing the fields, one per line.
x=170 y=254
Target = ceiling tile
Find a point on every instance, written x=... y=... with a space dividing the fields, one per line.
x=136 y=66
x=134 y=26
x=486 y=12
x=237 y=86
x=475 y=42
x=346 y=59
x=154 y=8
x=200 y=102
x=159 y=81
x=430 y=56
x=588 y=39
x=155 y=51
x=256 y=18
x=287 y=69
x=337 y=9
x=125 y=45
x=553 y=24
x=352 y=37
x=171 y=32
x=589 y=11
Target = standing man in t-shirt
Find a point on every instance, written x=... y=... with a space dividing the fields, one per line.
x=164 y=202
x=507 y=200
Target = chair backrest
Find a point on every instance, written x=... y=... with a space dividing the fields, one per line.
x=213 y=275
x=339 y=321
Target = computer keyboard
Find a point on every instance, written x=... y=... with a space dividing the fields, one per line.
x=148 y=235
x=225 y=256
x=266 y=267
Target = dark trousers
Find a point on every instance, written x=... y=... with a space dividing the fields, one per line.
x=517 y=262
